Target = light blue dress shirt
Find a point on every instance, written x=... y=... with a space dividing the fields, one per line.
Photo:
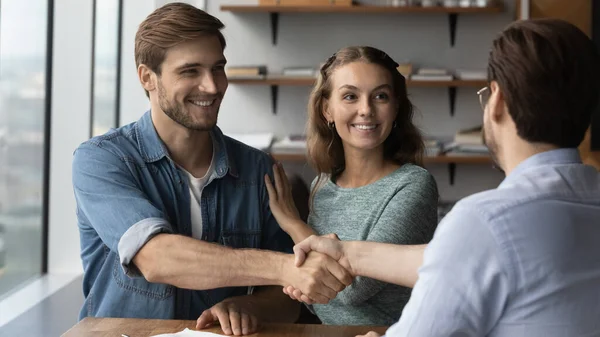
x=520 y=260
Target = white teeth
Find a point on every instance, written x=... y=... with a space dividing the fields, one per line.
x=364 y=127
x=203 y=103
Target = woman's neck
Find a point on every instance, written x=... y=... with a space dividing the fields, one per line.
x=363 y=168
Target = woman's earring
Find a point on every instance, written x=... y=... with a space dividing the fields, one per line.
x=394 y=125
x=331 y=125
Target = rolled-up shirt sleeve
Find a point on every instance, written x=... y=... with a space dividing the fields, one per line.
x=463 y=283
x=111 y=202
x=135 y=238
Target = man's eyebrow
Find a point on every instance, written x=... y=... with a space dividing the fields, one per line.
x=196 y=64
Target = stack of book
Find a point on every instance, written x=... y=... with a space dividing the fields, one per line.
x=468 y=142
x=305 y=3
x=292 y=144
x=471 y=74
x=247 y=72
x=299 y=72
x=432 y=74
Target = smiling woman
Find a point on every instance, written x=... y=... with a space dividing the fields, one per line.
x=370 y=185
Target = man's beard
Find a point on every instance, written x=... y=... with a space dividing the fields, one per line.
x=492 y=145
x=177 y=112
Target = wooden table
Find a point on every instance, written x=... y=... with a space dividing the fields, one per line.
x=114 y=327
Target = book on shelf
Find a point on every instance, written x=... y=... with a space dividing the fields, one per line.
x=305 y=2
x=432 y=74
x=249 y=72
x=471 y=74
x=419 y=77
x=473 y=136
x=291 y=144
x=432 y=71
x=299 y=72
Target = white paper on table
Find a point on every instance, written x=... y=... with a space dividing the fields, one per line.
x=190 y=333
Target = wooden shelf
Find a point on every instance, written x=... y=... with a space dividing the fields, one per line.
x=451 y=161
x=274 y=12
x=307 y=81
x=275 y=81
x=442 y=159
x=455 y=159
x=360 y=9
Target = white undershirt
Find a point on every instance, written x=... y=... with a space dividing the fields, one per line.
x=196 y=185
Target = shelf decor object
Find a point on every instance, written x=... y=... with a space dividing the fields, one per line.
x=341 y=6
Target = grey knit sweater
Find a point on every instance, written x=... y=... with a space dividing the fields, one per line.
x=400 y=208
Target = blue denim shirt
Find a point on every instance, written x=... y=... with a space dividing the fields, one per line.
x=128 y=189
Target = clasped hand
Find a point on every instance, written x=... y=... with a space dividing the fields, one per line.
x=319 y=276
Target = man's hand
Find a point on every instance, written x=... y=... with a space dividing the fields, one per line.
x=236 y=315
x=370 y=334
x=328 y=244
x=297 y=295
x=320 y=277
x=281 y=201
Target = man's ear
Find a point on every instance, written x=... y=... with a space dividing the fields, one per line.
x=147 y=77
x=496 y=103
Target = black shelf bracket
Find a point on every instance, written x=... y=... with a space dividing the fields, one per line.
x=274 y=26
x=452 y=19
x=452 y=99
x=452 y=172
x=274 y=97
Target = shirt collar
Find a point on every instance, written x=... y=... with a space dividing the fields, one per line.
x=152 y=148
x=546 y=158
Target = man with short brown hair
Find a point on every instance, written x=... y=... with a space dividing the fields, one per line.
x=173 y=215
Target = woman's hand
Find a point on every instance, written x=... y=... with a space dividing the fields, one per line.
x=280 y=199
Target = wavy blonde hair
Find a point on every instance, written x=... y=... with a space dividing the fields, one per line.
x=324 y=145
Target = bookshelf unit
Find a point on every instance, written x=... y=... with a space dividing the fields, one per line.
x=276 y=81
x=452 y=12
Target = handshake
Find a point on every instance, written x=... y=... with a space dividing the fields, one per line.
x=322 y=270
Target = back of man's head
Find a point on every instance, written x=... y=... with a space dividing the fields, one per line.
x=168 y=26
x=549 y=73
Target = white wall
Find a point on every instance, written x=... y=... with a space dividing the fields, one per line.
x=133 y=98
x=308 y=39
x=70 y=125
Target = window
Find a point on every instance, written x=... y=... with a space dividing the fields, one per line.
x=106 y=65
x=23 y=145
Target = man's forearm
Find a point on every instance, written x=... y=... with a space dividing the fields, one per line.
x=390 y=263
x=194 y=264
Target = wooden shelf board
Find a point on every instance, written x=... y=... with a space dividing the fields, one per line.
x=290 y=81
x=359 y=9
x=442 y=159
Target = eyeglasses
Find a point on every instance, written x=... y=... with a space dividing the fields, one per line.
x=484 y=95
